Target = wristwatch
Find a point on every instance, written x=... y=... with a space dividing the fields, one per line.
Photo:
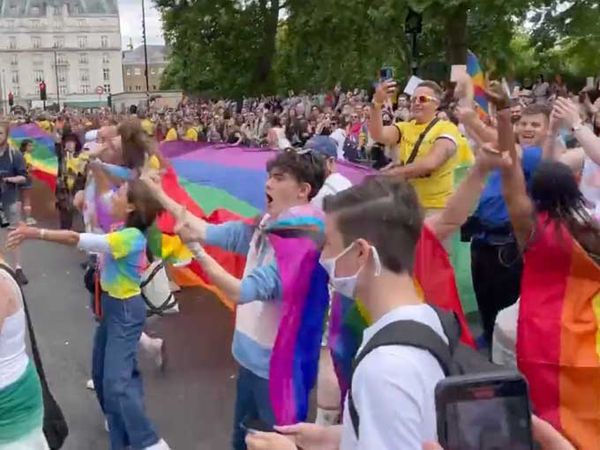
x=577 y=127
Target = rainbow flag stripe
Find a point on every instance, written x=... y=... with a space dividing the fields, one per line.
x=44 y=160
x=478 y=79
x=558 y=334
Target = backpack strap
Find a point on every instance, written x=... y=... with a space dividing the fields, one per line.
x=408 y=333
x=415 y=150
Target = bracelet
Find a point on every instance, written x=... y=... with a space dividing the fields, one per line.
x=42 y=234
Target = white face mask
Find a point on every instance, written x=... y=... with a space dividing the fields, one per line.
x=347 y=285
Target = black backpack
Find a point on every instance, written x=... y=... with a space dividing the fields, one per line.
x=455 y=358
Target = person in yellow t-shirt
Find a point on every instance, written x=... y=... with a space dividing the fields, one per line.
x=172 y=131
x=431 y=171
x=191 y=133
x=147 y=125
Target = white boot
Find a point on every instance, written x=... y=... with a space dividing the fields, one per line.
x=160 y=445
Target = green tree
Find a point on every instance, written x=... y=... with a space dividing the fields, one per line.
x=221 y=47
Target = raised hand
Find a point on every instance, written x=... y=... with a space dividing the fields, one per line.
x=384 y=91
x=17 y=236
x=496 y=95
x=184 y=227
x=566 y=111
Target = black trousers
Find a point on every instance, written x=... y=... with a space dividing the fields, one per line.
x=496 y=271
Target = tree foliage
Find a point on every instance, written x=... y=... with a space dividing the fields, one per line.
x=245 y=47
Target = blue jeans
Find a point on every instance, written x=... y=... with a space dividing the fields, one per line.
x=252 y=402
x=116 y=376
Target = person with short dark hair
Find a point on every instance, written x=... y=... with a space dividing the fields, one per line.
x=294 y=179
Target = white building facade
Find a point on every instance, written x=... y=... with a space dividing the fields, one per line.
x=74 y=46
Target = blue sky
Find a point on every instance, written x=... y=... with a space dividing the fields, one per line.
x=131 y=18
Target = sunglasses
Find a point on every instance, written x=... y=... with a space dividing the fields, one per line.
x=423 y=99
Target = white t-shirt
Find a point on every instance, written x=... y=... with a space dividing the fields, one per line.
x=339 y=136
x=334 y=183
x=394 y=390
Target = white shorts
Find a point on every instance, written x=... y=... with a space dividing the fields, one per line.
x=33 y=441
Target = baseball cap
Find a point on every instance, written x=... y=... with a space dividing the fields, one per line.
x=323 y=145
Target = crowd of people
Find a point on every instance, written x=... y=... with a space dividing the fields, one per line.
x=534 y=160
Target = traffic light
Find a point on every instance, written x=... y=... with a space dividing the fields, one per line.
x=43 y=95
x=11 y=99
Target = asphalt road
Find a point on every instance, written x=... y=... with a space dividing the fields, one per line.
x=191 y=403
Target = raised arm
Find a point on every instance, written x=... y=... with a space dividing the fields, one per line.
x=462 y=202
x=386 y=135
x=567 y=111
x=519 y=205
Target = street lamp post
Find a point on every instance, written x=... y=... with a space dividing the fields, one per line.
x=56 y=75
x=414 y=27
x=145 y=55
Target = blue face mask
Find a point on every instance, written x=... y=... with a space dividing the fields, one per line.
x=347 y=285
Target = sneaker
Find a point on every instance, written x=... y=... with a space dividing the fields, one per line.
x=30 y=221
x=160 y=445
x=21 y=278
x=90 y=385
x=106 y=426
x=160 y=358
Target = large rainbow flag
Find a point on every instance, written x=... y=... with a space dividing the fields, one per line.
x=219 y=184
x=558 y=334
x=478 y=80
x=44 y=160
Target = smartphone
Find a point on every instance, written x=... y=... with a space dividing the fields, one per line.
x=254 y=425
x=484 y=412
x=386 y=73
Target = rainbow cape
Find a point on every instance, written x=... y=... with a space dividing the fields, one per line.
x=558 y=333
x=349 y=318
x=44 y=160
x=478 y=79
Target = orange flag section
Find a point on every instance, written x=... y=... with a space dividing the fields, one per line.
x=558 y=340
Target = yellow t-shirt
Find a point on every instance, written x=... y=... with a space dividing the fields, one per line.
x=434 y=190
x=148 y=127
x=191 y=134
x=171 y=135
x=153 y=163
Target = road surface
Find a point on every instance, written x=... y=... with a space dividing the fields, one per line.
x=191 y=403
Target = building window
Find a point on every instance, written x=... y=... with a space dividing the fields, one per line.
x=14 y=61
x=137 y=71
x=82 y=40
x=161 y=70
x=59 y=42
x=106 y=74
x=129 y=88
x=127 y=72
x=152 y=71
x=63 y=74
x=16 y=91
x=61 y=59
x=38 y=76
x=62 y=88
x=12 y=42
x=154 y=88
x=105 y=58
x=85 y=88
x=138 y=88
x=83 y=58
x=84 y=75
x=104 y=41
x=15 y=77
x=107 y=88
x=35 y=23
x=36 y=41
